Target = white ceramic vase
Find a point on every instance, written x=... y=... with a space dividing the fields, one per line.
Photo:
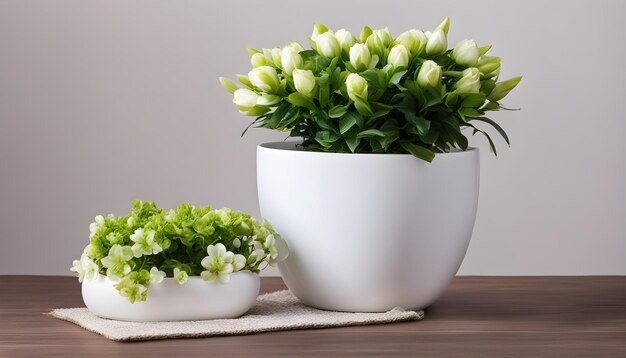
x=368 y=232
x=169 y=301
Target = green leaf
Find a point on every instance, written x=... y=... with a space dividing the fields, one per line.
x=353 y=142
x=492 y=146
x=490 y=106
x=308 y=54
x=371 y=133
x=396 y=77
x=322 y=120
x=323 y=82
x=487 y=86
x=376 y=79
x=496 y=126
x=430 y=137
x=301 y=100
x=451 y=99
x=418 y=151
x=466 y=112
x=392 y=132
x=473 y=100
x=326 y=139
x=345 y=123
x=335 y=79
x=421 y=124
x=363 y=107
x=337 y=111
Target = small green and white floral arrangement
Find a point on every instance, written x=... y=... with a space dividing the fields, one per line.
x=148 y=244
x=375 y=93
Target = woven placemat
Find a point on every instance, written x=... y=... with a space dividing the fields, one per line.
x=276 y=311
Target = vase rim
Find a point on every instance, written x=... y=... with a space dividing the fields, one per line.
x=291 y=147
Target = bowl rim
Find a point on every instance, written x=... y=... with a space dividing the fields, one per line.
x=172 y=279
x=290 y=146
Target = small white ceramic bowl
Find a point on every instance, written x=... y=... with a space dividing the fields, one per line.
x=169 y=301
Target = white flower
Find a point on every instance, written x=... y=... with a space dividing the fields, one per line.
x=85 y=268
x=156 y=276
x=257 y=253
x=429 y=75
x=144 y=243
x=466 y=53
x=379 y=41
x=438 y=41
x=180 y=275
x=327 y=45
x=318 y=29
x=291 y=59
x=117 y=261
x=361 y=58
x=470 y=82
x=413 y=40
x=95 y=226
x=237 y=242
x=345 y=38
x=238 y=262
x=399 y=56
x=218 y=264
x=265 y=78
x=304 y=81
x=245 y=98
x=270 y=245
x=489 y=66
x=356 y=86
x=272 y=57
x=258 y=59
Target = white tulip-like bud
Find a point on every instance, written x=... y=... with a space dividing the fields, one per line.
x=247 y=102
x=444 y=25
x=297 y=46
x=489 y=66
x=318 y=29
x=470 y=82
x=272 y=57
x=258 y=59
x=361 y=58
x=399 y=56
x=466 y=53
x=327 y=45
x=265 y=78
x=304 y=81
x=345 y=38
x=245 y=98
x=437 y=43
x=290 y=59
x=414 y=40
x=379 y=41
x=356 y=86
x=429 y=75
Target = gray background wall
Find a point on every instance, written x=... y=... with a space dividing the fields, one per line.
x=102 y=102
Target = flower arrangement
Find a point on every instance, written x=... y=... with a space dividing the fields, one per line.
x=374 y=93
x=149 y=243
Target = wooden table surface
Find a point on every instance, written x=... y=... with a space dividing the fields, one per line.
x=477 y=316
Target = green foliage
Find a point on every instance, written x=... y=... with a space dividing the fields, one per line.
x=149 y=243
x=355 y=95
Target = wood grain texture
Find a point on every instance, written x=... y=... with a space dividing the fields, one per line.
x=477 y=316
